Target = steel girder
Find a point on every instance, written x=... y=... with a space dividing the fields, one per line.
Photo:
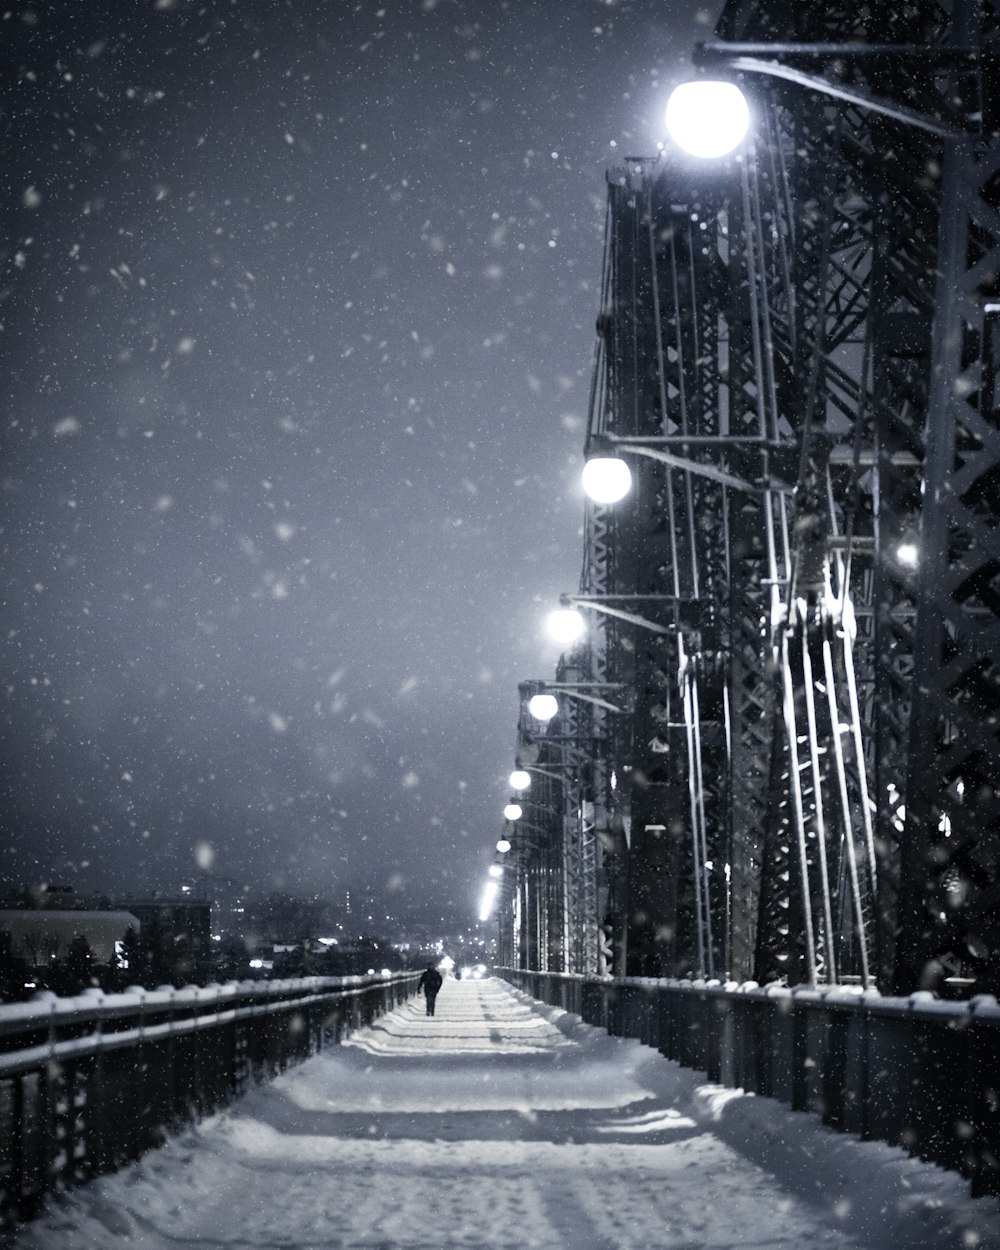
x=924 y=461
x=923 y=424
x=736 y=861
x=798 y=353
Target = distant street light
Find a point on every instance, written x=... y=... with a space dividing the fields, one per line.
x=520 y=779
x=566 y=625
x=496 y=870
x=503 y=846
x=512 y=811
x=706 y=118
x=606 y=479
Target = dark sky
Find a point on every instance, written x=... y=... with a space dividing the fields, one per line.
x=297 y=305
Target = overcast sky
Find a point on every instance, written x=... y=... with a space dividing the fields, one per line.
x=297 y=304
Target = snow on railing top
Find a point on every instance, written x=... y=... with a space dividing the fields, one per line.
x=45 y=1006
x=847 y=997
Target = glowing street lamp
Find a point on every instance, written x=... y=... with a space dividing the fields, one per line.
x=606 y=479
x=503 y=845
x=512 y=811
x=520 y=779
x=496 y=870
x=707 y=118
x=566 y=625
x=543 y=706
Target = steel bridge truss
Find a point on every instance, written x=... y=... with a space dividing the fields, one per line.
x=798 y=355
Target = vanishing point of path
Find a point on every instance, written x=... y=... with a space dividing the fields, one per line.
x=500 y=1124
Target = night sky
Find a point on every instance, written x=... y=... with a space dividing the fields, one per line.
x=297 y=304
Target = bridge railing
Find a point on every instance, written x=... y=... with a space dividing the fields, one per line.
x=914 y=1072
x=88 y=1084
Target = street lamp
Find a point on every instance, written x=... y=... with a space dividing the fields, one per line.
x=621 y=606
x=673 y=450
x=606 y=479
x=543 y=706
x=520 y=779
x=503 y=845
x=566 y=625
x=512 y=811
x=707 y=118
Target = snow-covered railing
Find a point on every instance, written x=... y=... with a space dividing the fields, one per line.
x=88 y=1084
x=915 y=1072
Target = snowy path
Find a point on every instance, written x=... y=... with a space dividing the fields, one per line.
x=503 y=1124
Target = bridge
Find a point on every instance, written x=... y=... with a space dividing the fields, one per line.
x=499 y=1122
x=754 y=815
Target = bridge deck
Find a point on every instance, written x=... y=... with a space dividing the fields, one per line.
x=490 y=1127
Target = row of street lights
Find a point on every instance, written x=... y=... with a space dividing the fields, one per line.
x=707 y=119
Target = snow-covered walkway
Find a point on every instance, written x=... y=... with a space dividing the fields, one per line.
x=501 y=1123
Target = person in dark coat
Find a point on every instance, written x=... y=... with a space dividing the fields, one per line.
x=430 y=982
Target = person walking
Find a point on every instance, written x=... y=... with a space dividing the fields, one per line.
x=430 y=982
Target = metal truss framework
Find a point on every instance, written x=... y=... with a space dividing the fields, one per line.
x=798 y=354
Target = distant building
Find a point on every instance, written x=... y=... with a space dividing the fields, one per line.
x=177 y=935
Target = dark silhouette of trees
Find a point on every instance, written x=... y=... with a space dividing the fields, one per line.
x=16 y=980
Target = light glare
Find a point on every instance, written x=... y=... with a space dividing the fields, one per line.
x=706 y=118
x=520 y=779
x=489 y=897
x=512 y=811
x=503 y=846
x=908 y=554
x=606 y=479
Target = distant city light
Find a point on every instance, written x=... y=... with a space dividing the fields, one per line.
x=566 y=625
x=496 y=870
x=706 y=118
x=606 y=479
x=520 y=779
x=543 y=706
x=513 y=811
